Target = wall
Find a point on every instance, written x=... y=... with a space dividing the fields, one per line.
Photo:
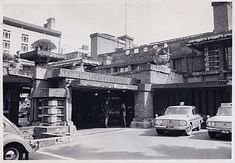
x=153 y=74
x=206 y=100
x=222 y=16
x=101 y=43
x=15 y=40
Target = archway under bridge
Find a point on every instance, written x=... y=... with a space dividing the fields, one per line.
x=88 y=107
x=87 y=92
x=206 y=97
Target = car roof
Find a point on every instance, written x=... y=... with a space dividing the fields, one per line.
x=186 y=106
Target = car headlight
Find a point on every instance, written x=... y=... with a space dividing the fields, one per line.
x=211 y=123
x=183 y=123
x=158 y=122
x=34 y=144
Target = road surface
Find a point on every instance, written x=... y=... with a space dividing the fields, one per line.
x=135 y=144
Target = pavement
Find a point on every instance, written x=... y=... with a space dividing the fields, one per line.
x=135 y=144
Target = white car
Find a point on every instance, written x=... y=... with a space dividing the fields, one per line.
x=221 y=123
x=15 y=145
x=178 y=118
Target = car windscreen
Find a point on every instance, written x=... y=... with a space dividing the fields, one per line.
x=177 y=110
x=224 y=111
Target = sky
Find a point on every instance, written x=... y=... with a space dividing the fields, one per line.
x=146 y=21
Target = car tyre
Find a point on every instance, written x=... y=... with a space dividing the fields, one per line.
x=188 y=130
x=199 y=126
x=12 y=152
x=212 y=135
x=160 y=132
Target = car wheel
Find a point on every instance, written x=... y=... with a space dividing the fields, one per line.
x=188 y=130
x=160 y=132
x=12 y=153
x=212 y=134
x=199 y=127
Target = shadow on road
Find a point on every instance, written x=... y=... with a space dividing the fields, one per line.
x=152 y=132
x=199 y=135
x=95 y=131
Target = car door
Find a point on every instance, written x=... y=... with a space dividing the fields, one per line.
x=195 y=119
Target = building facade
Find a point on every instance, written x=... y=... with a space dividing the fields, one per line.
x=199 y=71
x=66 y=90
x=18 y=35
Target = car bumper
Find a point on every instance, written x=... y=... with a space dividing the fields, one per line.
x=171 y=127
x=219 y=130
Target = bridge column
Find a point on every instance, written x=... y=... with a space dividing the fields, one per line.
x=143 y=107
x=65 y=83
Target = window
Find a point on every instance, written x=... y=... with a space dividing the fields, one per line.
x=25 y=38
x=108 y=70
x=212 y=58
x=115 y=69
x=176 y=64
x=6 y=44
x=194 y=111
x=24 y=44
x=6 y=34
x=135 y=67
x=121 y=69
x=6 y=41
x=124 y=69
x=228 y=58
x=24 y=47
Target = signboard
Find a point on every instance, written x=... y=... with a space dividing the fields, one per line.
x=49 y=92
x=66 y=73
x=20 y=72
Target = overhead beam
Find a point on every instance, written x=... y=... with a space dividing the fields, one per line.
x=193 y=85
x=73 y=74
x=94 y=84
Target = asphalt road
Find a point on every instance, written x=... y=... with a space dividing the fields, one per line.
x=135 y=144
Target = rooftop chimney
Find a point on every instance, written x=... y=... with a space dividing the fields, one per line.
x=50 y=23
x=128 y=41
x=222 y=16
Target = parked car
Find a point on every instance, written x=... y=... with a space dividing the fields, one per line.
x=15 y=145
x=178 y=118
x=221 y=123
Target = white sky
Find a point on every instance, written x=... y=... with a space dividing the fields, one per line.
x=147 y=21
